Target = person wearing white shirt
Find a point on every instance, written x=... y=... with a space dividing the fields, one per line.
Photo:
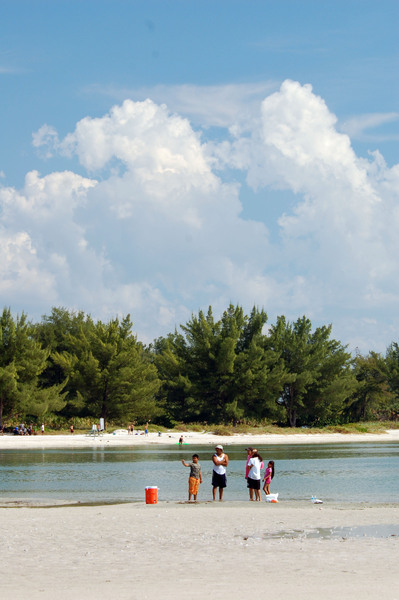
x=254 y=477
x=220 y=462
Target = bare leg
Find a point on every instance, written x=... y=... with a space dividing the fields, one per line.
x=251 y=494
x=214 y=493
x=220 y=494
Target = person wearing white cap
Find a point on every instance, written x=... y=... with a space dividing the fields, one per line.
x=220 y=462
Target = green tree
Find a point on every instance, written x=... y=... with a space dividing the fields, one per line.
x=203 y=365
x=22 y=360
x=392 y=363
x=373 y=395
x=219 y=371
x=174 y=394
x=256 y=382
x=110 y=373
x=316 y=375
x=55 y=333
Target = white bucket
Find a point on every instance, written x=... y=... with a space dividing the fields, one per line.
x=272 y=497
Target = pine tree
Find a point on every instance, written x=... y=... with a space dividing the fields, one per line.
x=317 y=378
x=110 y=374
x=22 y=360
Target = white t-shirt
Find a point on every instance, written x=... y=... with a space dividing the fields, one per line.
x=254 y=471
x=220 y=469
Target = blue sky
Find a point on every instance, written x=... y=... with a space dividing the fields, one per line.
x=157 y=157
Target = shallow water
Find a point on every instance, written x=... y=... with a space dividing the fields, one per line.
x=364 y=472
x=380 y=531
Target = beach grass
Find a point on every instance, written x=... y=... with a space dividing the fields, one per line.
x=248 y=429
x=261 y=429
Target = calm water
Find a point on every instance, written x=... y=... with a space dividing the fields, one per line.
x=366 y=472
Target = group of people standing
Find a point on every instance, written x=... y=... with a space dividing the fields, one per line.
x=22 y=430
x=220 y=461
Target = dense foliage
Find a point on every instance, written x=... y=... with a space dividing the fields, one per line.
x=229 y=370
x=22 y=360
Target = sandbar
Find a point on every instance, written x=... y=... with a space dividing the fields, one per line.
x=227 y=551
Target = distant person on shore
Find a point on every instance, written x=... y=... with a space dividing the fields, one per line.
x=71 y=429
x=42 y=428
x=195 y=477
x=220 y=462
x=181 y=440
x=146 y=429
x=269 y=474
x=253 y=481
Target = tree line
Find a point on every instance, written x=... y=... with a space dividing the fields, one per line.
x=234 y=369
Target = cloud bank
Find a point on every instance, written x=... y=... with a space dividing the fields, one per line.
x=156 y=225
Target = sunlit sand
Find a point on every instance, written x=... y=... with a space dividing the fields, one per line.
x=190 y=438
x=204 y=550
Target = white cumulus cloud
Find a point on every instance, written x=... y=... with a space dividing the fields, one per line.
x=156 y=228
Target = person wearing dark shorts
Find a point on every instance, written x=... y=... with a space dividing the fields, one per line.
x=253 y=484
x=218 y=481
x=220 y=462
x=253 y=481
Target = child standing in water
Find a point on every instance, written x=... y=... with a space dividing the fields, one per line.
x=269 y=474
x=195 y=477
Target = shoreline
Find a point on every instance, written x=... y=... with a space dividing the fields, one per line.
x=78 y=440
x=301 y=504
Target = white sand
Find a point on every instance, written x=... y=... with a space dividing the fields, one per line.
x=210 y=550
x=192 y=438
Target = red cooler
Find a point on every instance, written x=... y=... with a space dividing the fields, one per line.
x=151 y=495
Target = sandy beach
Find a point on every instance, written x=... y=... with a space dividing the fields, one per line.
x=229 y=550
x=209 y=550
x=121 y=438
